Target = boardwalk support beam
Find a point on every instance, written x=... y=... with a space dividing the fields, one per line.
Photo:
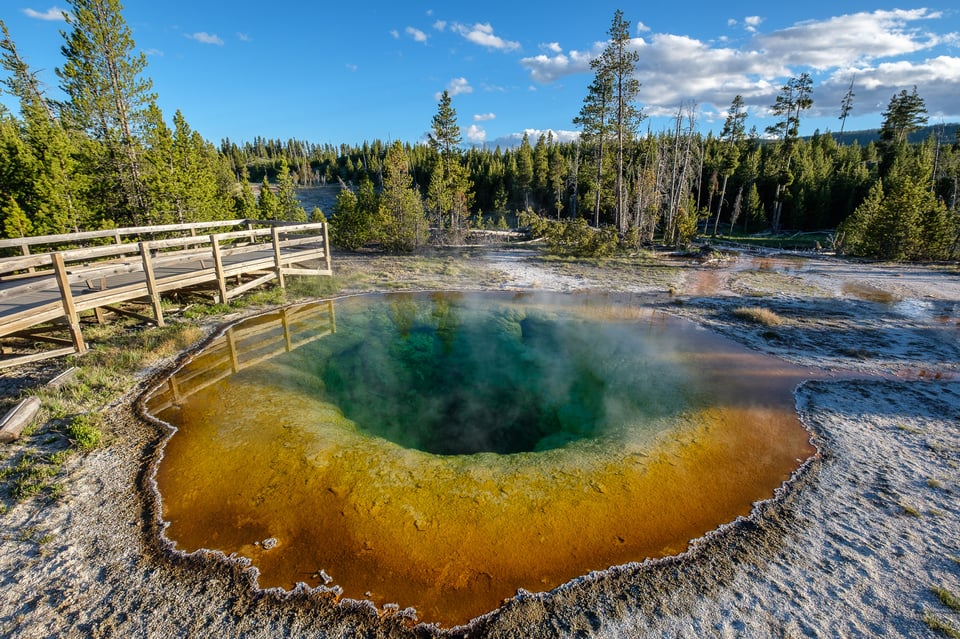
x=151 y=282
x=69 y=308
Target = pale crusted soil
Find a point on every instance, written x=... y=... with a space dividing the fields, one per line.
x=851 y=549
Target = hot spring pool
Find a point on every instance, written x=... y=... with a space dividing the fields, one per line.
x=440 y=451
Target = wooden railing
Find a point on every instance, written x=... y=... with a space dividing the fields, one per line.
x=139 y=264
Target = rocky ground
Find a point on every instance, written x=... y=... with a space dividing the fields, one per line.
x=853 y=547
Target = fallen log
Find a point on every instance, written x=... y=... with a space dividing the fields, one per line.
x=17 y=419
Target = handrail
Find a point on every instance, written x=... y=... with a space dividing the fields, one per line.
x=115 y=233
x=18 y=242
x=144 y=268
x=29 y=261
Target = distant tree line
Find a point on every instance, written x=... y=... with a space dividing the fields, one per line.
x=106 y=156
x=679 y=183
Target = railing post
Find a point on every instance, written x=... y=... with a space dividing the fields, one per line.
x=69 y=309
x=275 y=234
x=151 y=282
x=218 y=268
x=326 y=246
x=25 y=249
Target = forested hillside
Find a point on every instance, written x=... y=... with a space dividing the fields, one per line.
x=107 y=156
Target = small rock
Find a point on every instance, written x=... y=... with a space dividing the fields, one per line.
x=269 y=544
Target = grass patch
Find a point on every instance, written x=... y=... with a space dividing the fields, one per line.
x=84 y=432
x=797 y=241
x=310 y=287
x=198 y=311
x=939 y=625
x=909 y=510
x=913 y=430
x=758 y=315
x=947 y=598
x=29 y=477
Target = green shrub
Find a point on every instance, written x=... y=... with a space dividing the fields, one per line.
x=84 y=432
x=573 y=238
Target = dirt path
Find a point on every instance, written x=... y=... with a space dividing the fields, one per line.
x=851 y=549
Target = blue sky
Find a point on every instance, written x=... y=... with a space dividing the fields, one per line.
x=347 y=72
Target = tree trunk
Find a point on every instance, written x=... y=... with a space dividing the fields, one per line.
x=723 y=193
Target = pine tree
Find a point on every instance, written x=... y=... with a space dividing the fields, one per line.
x=159 y=170
x=541 y=169
x=350 y=228
x=730 y=138
x=906 y=112
x=289 y=206
x=450 y=192
x=793 y=99
x=108 y=97
x=557 y=177
x=15 y=221
x=445 y=133
x=846 y=105
x=525 y=170
x=245 y=200
x=268 y=207
x=405 y=226
x=57 y=184
x=594 y=122
x=620 y=63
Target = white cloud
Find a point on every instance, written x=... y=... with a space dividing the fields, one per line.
x=476 y=134
x=395 y=34
x=484 y=117
x=551 y=47
x=440 y=25
x=937 y=80
x=544 y=68
x=416 y=34
x=851 y=39
x=205 y=38
x=641 y=27
x=676 y=68
x=243 y=37
x=53 y=14
x=153 y=52
x=351 y=67
x=752 y=23
x=732 y=22
x=457 y=86
x=482 y=34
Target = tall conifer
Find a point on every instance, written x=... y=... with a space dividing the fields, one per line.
x=108 y=97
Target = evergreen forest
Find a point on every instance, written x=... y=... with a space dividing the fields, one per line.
x=106 y=156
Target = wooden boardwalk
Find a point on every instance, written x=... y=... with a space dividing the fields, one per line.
x=55 y=279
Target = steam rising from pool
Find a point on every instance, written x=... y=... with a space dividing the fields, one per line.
x=441 y=451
